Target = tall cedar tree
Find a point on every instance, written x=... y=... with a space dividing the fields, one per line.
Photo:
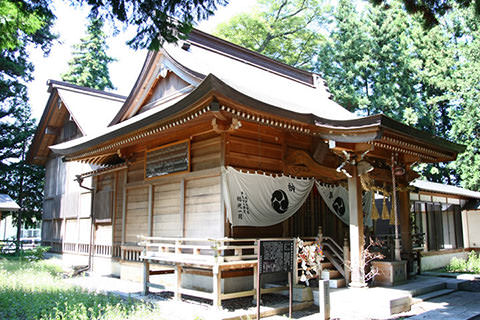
x=377 y=61
x=89 y=65
x=168 y=20
x=465 y=115
x=22 y=25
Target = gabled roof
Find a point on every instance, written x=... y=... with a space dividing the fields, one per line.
x=444 y=188
x=90 y=109
x=253 y=74
x=7 y=203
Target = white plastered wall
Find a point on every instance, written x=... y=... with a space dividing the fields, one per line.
x=471 y=228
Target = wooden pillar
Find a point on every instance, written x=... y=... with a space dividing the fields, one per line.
x=124 y=205
x=405 y=227
x=217 y=287
x=150 y=210
x=346 y=258
x=178 y=285
x=223 y=217
x=114 y=213
x=146 y=275
x=255 y=281
x=356 y=229
x=182 y=208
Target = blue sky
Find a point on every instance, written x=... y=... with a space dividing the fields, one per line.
x=70 y=26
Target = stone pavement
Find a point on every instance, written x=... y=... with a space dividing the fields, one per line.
x=459 y=305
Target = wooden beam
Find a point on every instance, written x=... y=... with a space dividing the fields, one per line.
x=50 y=130
x=297 y=159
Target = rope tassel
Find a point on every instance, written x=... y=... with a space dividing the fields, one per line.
x=385 y=213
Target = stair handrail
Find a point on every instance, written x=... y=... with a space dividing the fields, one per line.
x=340 y=249
x=333 y=251
x=335 y=263
x=335 y=254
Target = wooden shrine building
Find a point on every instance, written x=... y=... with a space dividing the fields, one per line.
x=205 y=105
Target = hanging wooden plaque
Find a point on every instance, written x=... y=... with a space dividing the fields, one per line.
x=168 y=159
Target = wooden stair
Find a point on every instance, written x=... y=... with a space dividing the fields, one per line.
x=332 y=267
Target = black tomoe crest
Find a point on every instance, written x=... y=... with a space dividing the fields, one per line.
x=279 y=201
x=339 y=206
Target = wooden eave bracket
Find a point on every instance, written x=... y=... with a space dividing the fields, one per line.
x=299 y=162
x=222 y=126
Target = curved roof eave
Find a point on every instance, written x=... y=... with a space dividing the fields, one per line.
x=384 y=123
x=216 y=87
x=210 y=84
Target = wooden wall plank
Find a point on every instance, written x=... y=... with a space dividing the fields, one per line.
x=136 y=218
x=202 y=208
x=166 y=209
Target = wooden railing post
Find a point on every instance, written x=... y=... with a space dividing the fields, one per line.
x=146 y=274
x=346 y=259
x=178 y=285
x=178 y=249
x=320 y=235
x=217 y=287
x=296 y=279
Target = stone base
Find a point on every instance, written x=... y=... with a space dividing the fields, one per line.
x=390 y=273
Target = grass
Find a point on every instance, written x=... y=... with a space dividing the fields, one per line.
x=471 y=265
x=35 y=290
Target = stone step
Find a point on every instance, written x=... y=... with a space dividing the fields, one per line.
x=337 y=283
x=329 y=274
x=431 y=295
x=424 y=289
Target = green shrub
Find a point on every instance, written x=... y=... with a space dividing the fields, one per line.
x=34 y=254
x=456 y=265
x=472 y=264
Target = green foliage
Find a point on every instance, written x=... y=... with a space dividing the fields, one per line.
x=89 y=65
x=156 y=21
x=22 y=181
x=431 y=10
x=456 y=265
x=285 y=30
x=35 y=254
x=471 y=265
x=23 y=24
x=466 y=115
x=34 y=290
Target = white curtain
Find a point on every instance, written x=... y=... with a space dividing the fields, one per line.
x=262 y=200
x=336 y=198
